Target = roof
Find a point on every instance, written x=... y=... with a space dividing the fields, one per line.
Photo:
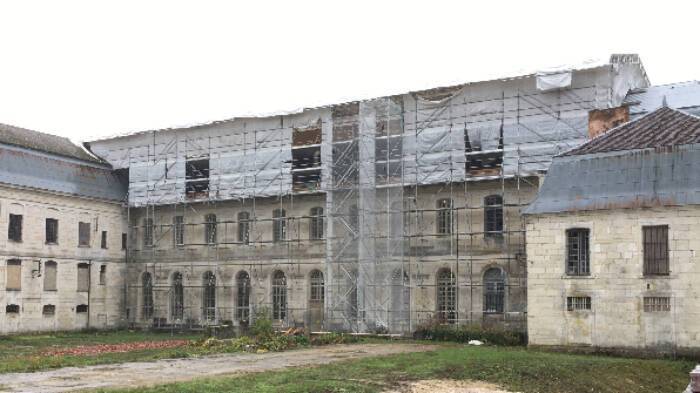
x=40 y=141
x=649 y=162
x=30 y=169
x=682 y=95
x=662 y=128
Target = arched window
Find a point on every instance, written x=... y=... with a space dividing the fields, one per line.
x=177 y=297
x=494 y=290
x=244 y=227
x=243 y=296
x=210 y=229
x=279 y=296
x=444 y=216
x=493 y=216
x=316 y=223
x=279 y=225
x=147 y=291
x=50 y=269
x=446 y=296
x=317 y=287
x=209 y=296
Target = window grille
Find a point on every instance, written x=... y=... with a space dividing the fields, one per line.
x=657 y=304
x=243 y=296
x=209 y=297
x=494 y=291
x=48 y=309
x=317 y=286
x=279 y=296
x=578 y=303
x=446 y=296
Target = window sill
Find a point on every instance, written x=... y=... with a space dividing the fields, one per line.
x=581 y=277
x=83 y=246
x=50 y=290
x=656 y=277
x=51 y=243
x=13 y=289
x=14 y=241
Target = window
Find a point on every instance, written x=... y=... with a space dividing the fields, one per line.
x=147 y=293
x=12 y=309
x=655 y=246
x=147 y=232
x=317 y=287
x=577 y=252
x=494 y=291
x=210 y=229
x=197 y=178
x=578 y=303
x=279 y=296
x=242 y=296
x=103 y=274
x=50 y=269
x=48 y=310
x=51 y=231
x=179 y=231
x=209 y=296
x=657 y=304
x=279 y=225
x=244 y=227
x=103 y=240
x=316 y=223
x=446 y=296
x=83 y=277
x=123 y=241
x=14 y=275
x=444 y=216
x=493 y=216
x=177 y=297
x=14 y=231
x=84 y=234
x=81 y=308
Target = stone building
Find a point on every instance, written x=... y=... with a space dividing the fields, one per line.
x=368 y=216
x=613 y=238
x=62 y=233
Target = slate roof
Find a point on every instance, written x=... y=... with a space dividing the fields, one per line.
x=683 y=95
x=40 y=141
x=664 y=127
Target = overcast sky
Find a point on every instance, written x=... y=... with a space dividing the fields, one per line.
x=88 y=69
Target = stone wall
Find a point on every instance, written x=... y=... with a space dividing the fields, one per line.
x=617 y=284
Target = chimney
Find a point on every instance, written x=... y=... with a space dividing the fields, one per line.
x=602 y=120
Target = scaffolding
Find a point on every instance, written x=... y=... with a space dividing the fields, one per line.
x=416 y=208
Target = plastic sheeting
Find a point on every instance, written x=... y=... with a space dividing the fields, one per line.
x=553 y=80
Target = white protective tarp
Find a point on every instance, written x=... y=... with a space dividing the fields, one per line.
x=553 y=80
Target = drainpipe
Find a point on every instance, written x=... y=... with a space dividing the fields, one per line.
x=88 y=291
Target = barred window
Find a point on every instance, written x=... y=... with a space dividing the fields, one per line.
x=279 y=296
x=655 y=248
x=444 y=216
x=493 y=216
x=279 y=225
x=179 y=230
x=12 y=309
x=577 y=303
x=14 y=230
x=51 y=231
x=209 y=296
x=657 y=304
x=210 y=229
x=317 y=286
x=244 y=227
x=84 y=234
x=177 y=297
x=243 y=296
x=316 y=223
x=494 y=291
x=81 y=308
x=577 y=252
x=147 y=292
x=446 y=296
x=48 y=309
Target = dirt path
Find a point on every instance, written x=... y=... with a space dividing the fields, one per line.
x=172 y=370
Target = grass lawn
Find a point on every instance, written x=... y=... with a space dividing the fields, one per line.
x=22 y=353
x=515 y=369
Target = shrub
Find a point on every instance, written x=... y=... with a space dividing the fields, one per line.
x=333 y=338
x=262 y=325
x=433 y=330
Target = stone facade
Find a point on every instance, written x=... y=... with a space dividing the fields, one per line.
x=24 y=299
x=617 y=285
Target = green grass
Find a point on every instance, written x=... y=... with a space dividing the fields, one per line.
x=516 y=369
x=22 y=353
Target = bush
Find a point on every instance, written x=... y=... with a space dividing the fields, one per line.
x=262 y=325
x=433 y=330
x=333 y=338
